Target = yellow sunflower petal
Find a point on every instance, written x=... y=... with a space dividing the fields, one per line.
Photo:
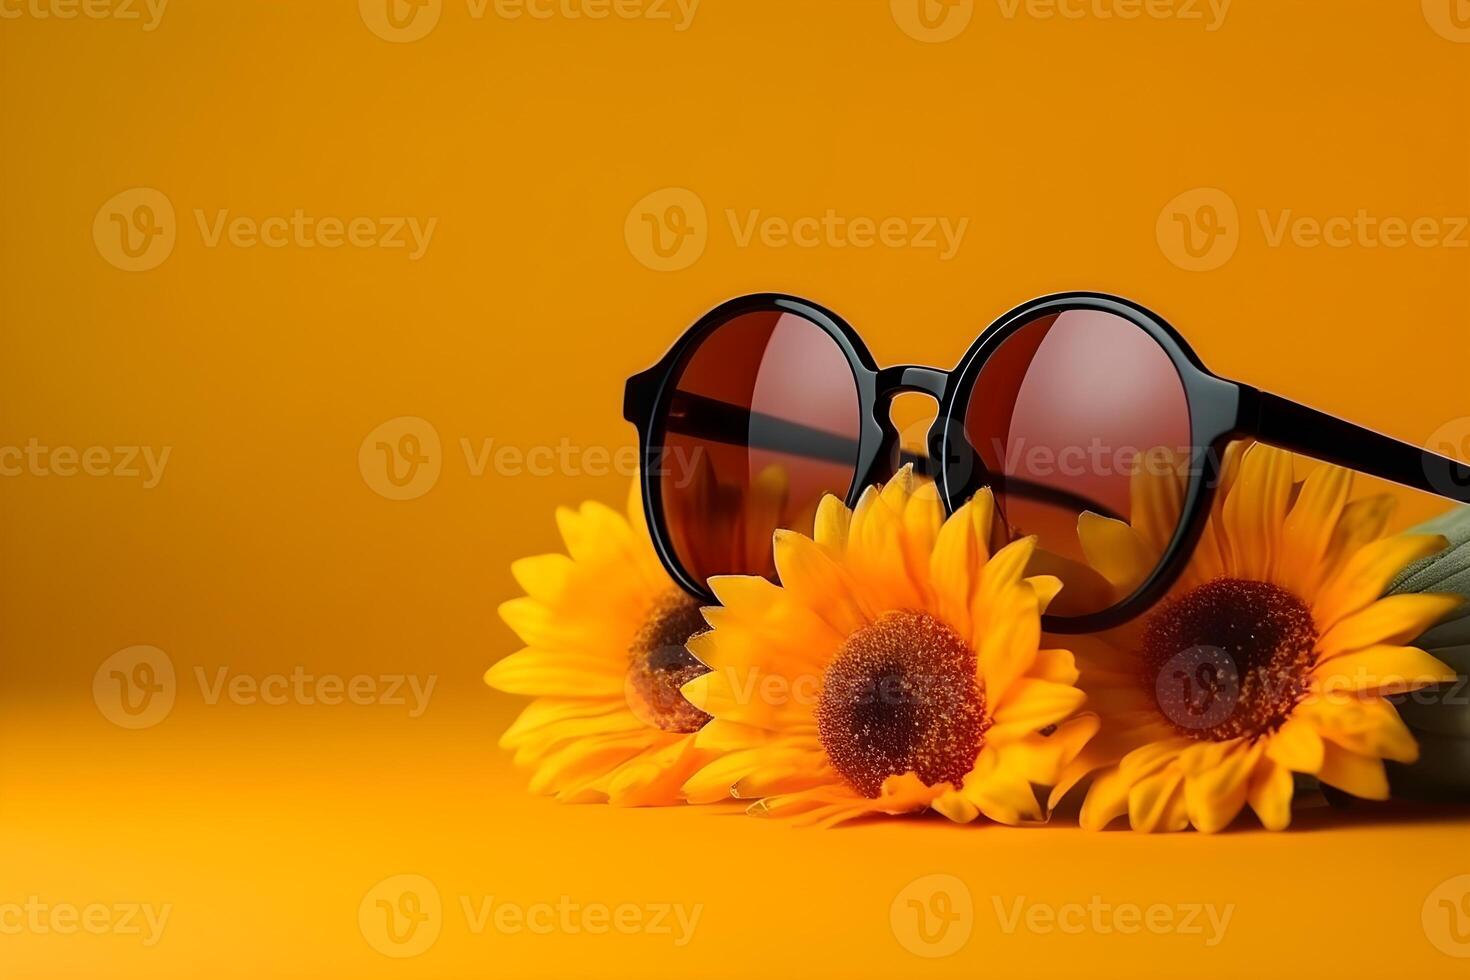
x=595 y=533
x=1057 y=666
x=1309 y=528
x=541 y=673
x=875 y=552
x=653 y=778
x=1001 y=791
x=1157 y=487
x=1149 y=758
x=1211 y=559
x=1116 y=551
x=953 y=805
x=783 y=769
x=833 y=522
x=1030 y=706
x=1156 y=803
x=1041 y=758
x=1255 y=511
x=548 y=712
x=811 y=574
x=1297 y=746
x=1363 y=521
x=1107 y=800
x=907 y=793
x=530 y=747
x=1101 y=754
x=1391 y=620
x=543 y=577
x=1365 y=725
x=637 y=516
x=1381 y=670
x=1204 y=757
x=1215 y=797
x=720 y=735
x=754 y=696
x=981 y=508
x=953 y=567
x=1046 y=587
x=824 y=807
x=759 y=625
x=897 y=491
x=584 y=759
x=713 y=781
x=653 y=574
x=1270 y=794
x=1367 y=573
x=999 y=577
x=539 y=625
x=1353 y=773
x=1007 y=645
x=1005 y=569
x=1086 y=591
x=922 y=517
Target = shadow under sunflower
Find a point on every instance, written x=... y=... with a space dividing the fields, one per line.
x=1272 y=656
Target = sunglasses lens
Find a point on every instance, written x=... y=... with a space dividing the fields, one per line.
x=1082 y=423
x=762 y=422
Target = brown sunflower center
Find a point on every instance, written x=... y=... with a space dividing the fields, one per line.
x=902 y=696
x=1229 y=659
x=658 y=665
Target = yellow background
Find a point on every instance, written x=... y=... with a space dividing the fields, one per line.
x=265 y=546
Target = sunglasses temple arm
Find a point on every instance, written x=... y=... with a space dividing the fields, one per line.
x=1305 y=430
x=736 y=425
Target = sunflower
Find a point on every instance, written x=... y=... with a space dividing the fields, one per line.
x=1272 y=656
x=604 y=628
x=896 y=667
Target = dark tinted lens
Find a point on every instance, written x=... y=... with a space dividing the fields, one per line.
x=763 y=421
x=1083 y=413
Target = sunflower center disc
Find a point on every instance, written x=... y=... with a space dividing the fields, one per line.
x=1229 y=659
x=902 y=696
x=658 y=665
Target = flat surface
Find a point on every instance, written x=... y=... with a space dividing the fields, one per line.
x=262 y=834
x=262 y=361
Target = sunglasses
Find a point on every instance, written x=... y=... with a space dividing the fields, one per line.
x=1062 y=407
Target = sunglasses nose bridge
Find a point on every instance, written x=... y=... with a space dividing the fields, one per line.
x=904 y=378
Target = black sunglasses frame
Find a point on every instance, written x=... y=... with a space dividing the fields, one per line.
x=1220 y=411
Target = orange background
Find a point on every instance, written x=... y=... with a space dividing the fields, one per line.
x=265 y=546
